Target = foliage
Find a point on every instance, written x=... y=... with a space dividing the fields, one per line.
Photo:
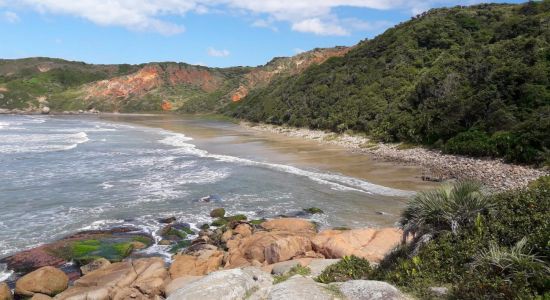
x=501 y=254
x=448 y=208
x=313 y=210
x=471 y=80
x=296 y=270
x=349 y=268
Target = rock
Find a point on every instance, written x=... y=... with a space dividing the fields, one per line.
x=5 y=293
x=167 y=220
x=139 y=279
x=299 y=287
x=290 y=225
x=41 y=297
x=45 y=110
x=180 y=282
x=285 y=266
x=244 y=230
x=314 y=210
x=317 y=266
x=371 y=244
x=232 y=284
x=200 y=263
x=438 y=291
x=94 y=265
x=370 y=290
x=114 y=245
x=217 y=213
x=266 y=247
x=226 y=236
x=165 y=242
x=47 y=280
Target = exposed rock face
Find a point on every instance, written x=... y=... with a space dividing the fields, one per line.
x=284 y=66
x=370 y=290
x=47 y=280
x=200 y=263
x=41 y=297
x=299 y=287
x=5 y=293
x=95 y=265
x=138 y=279
x=232 y=284
x=290 y=225
x=371 y=244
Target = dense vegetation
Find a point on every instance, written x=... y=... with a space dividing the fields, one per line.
x=479 y=246
x=469 y=80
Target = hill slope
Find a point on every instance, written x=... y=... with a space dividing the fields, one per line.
x=64 y=85
x=470 y=80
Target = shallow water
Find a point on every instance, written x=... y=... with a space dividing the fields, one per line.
x=63 y=174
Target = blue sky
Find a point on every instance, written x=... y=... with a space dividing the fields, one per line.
x=217 y=33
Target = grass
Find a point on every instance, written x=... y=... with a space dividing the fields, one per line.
x=296 y=270
x=349 y=268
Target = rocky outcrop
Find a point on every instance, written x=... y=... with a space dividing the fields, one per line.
x=299 y=287
x=371 y=244
x=47 y=280
x=370 y=290
x=5 y=293
x=199 y=263
x=95 y=265
x=293 y=225
x=232 y=284
x=138 y=279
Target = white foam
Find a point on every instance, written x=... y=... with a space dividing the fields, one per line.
x=5 y=274
x=335 y=181
x=39 y=143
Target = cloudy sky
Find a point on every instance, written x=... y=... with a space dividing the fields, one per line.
x=210 y=32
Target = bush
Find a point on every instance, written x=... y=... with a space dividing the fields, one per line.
x=473 y=143
x=349 y=268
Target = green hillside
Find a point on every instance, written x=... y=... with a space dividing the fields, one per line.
x=469 y=80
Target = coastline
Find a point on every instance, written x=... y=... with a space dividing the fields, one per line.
x=495 y=174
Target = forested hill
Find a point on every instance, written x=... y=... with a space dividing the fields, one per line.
x=470 y=80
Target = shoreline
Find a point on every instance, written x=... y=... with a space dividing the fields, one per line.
x=495 y=174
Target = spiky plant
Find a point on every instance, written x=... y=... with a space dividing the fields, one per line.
x=511 y=261
x=448 y=208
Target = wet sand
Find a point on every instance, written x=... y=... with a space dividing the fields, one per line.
x=223 y=137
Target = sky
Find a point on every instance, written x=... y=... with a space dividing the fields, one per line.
x=216 y=33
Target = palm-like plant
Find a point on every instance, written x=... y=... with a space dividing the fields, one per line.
x=448 y=208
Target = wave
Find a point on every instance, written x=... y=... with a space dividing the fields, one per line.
x=40 y=143
x=335 y=181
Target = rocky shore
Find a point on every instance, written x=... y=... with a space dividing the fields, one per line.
x=494 y=174
x=230 y=258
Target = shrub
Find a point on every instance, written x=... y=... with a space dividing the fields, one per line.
x=473 y=143
x=448 y=208
x=349 y=268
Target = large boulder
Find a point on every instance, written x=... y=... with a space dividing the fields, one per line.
x=5 y=293
x=47 y=280
x=293 y=225
x=232 y=284
x=196 y=264
x=370 y=290
x=300 y=288
x=139 y=279
x=265 y=247
x=371 y=244
x=95 y=265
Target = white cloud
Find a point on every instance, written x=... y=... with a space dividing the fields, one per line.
x=310 y=16
x=261 y=23
x=318 y=27
x=218 y=53
x=10 y=17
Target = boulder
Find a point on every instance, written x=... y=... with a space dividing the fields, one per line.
x=299 y=287
x=139 y=279
x=94 y=265
x=167 y=220
x=41 y=297
x=317 y=266
x=371 y=244
x=179 y=283
x=244 y=230
x=217 y=213
x=370 y=290
x=232 y=284
x=5 y=293
x=439 y=291
x=199 y=263
x=293 y=225
x=266 y=248
x=47 y=280
x=45 y=110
